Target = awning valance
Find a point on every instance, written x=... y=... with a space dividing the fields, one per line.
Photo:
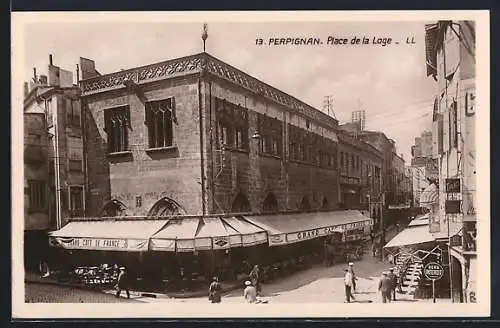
x=411 y=236
x=109 y=235
x=291 y=228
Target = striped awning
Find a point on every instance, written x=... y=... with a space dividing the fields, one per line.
x=106 y=235
x=430 y=196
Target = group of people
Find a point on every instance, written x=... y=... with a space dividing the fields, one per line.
x=388 y=284
x=250 y=293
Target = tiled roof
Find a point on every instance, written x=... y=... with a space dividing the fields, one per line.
x=196 y=64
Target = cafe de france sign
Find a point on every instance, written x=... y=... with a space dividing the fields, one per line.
x=294 y=237
x=100 y=244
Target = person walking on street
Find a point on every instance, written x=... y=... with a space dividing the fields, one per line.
x=385 y=287
x=354 y=278
x=214 y=291
x=348 y=279
x=394 y=281
x=250 y=292
x=255 y=278
x=122 y=283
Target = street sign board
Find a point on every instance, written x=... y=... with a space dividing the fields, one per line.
x=433 y=271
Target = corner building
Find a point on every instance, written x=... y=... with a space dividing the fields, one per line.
x=197 y=136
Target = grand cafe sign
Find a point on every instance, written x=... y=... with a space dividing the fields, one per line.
x=315 y=233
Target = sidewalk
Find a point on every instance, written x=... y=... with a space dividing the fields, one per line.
x=31 y=278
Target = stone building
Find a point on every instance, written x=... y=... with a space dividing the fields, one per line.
x=194 y=135
x=53 y=158
x=360 y=166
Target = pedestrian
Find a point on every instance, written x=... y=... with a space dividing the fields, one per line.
x=250 y=292
x=394 y=280
x=214 y=291
x=354 y=278
x=348 y=279
x=123 y=283
x=385 y=287
x=255 y=278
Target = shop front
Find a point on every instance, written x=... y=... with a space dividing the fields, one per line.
x=297 y=240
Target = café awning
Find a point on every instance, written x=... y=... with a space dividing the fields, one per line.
x=206 y=233
x=250 y=234
x=411 y=236
x=215 y=234
x=295 y=227
x=177 y=235
x=108 y=235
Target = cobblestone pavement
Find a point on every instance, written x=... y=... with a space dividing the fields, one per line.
x=44 y=293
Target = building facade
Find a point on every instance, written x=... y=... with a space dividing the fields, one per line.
x=450 y=55
x=53 y=157
x=195 y=135
x=360 y=166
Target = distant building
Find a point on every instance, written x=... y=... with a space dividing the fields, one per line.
x=360 y=176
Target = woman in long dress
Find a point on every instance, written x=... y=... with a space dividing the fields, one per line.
x=214 y=291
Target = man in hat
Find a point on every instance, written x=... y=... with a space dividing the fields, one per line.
x=214 y=291
x=385 y=287
x=122 y=283
x=394 y=280
x=348 y=279
x=351 y=270
x=250 y=292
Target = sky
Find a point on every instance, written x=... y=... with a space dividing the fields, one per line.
x=388 y=82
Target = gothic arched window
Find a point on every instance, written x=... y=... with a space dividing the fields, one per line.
x=159 y=117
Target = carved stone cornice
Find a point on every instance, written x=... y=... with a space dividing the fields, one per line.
x=198 y=63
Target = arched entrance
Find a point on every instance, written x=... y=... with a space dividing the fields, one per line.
x=113 y=208
x=240 y=204
x=166 y=207
x=270 y=204
x=305 y=206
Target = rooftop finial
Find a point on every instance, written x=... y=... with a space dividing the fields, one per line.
x=204 y=35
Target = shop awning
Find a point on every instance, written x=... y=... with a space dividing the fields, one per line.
x=250 y=234
x=411 y=236
x=177 y=235
x=109 y=235
x=291 y=228
x=420 y=220
x=215 y=234
x=430 y=196
x=470 y=218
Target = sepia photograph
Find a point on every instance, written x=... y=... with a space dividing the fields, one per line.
x=250 y=164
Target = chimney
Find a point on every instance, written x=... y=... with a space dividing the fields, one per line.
x=77 y=73
x=50 y=60
x=26 y=89
x=34 y=75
